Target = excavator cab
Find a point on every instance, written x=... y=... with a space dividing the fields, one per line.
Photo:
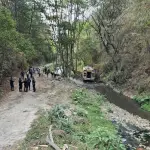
x=88 y=73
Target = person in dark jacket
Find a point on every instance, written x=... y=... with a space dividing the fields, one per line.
x=25 y=85
x=33 y=84
x=22 y=74
x=30 y=72
x=11 y=83
x=48 y=72
x=29 y=83
x=20 y=85
x=45 y=70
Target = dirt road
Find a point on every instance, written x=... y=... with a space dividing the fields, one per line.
x=19 y=109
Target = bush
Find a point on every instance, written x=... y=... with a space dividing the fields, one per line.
x=143 y=101
x=57 y=116
x=81 y=112
x=86 y=98
x=104 y=139
x=65 y=124
x=107 y=68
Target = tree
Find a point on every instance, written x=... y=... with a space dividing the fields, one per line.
x=65 y=22
x=105 y=22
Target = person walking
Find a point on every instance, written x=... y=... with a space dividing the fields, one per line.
x=33 y=84
x=25 y=85
x=29 y=83
x=20 y=85
x=11 y=83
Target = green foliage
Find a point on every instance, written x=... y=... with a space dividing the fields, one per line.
x=104 y=138
x=146 y=106
x=143 y=100
x=57 y=115
x=6 y=21
x=86 y=127
x=81 y=112
x=58 y=111
x=22 y=40
x=82 y=97
x=97 y=133
x=15 y=49
x=65 y=124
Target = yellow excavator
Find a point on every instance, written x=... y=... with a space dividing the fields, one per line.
x=88 y=73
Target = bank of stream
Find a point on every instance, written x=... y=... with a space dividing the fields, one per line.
x=131 y=121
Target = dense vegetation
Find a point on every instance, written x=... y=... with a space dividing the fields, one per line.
x=84 y=127
x=23 y=39
x=113 y=36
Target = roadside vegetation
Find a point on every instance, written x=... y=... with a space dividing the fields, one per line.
x=143 y=100
x=81 y=125
x=114 y=38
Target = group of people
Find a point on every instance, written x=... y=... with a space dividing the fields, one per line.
x=26 y=78
x=57 y=72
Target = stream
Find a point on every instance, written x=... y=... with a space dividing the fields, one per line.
x=132 y=135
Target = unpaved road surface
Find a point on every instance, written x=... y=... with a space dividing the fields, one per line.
x=18 y=109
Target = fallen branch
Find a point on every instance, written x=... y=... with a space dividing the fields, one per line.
x=50 y=134
x=52 y=144
x=50 y=141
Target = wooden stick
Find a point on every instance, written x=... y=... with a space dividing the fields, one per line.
x=50 y=141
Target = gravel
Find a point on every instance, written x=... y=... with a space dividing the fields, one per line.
x=134 y=130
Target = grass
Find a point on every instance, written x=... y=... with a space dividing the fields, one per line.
x=143 y=100
x=85 y=128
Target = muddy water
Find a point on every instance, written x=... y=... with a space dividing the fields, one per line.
x=122 y=101
x=116 y=98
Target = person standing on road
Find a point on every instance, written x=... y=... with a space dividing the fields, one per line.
x=27 y=74
x=22 y=74
x=30 y=72
x=25 y=85
x=39 y=72
x=45 y=70
x=29 y=83
x=11 y=83
x=20 y=85
x=33 y=84
x=48 y=72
